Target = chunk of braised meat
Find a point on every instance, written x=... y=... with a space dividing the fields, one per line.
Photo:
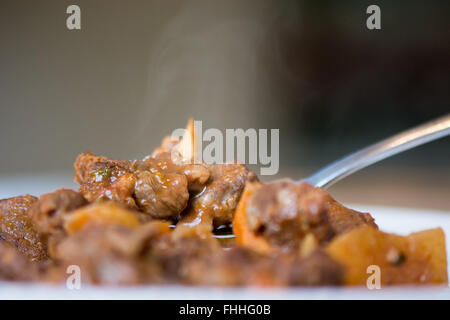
x=161 y=195
x=17 y=228
x=176 y=255
x=343 y=219
x=102 y=178
x=98 y=253
x=154 y=187
x=197 y=174
x=111 y=254
x=51 y=211
x=233 y=267
x=316 y=269
x=243 y=267
x=284 y=213
x=16 y=266
x=216 y=204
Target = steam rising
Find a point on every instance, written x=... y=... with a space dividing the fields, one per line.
x=208 y=62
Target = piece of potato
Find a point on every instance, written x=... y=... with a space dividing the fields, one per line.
x=100 y=213
x=415 y=259
x=244 y=236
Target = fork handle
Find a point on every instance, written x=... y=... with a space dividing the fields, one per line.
x=386 y=148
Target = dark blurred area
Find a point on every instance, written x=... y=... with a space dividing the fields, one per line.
x=350 y=86
x=138 y=69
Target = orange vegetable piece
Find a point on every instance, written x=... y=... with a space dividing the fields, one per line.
x=100 y=213
x=244 y=235
x=417 y=258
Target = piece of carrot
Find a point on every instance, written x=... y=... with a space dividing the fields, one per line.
x=106 y=213
x=244 y=235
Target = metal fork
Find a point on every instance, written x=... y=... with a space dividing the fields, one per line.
x=374 y=153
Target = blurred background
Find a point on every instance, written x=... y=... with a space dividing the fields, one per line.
x=138 y=69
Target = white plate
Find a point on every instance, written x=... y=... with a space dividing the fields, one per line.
x=398 y=220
